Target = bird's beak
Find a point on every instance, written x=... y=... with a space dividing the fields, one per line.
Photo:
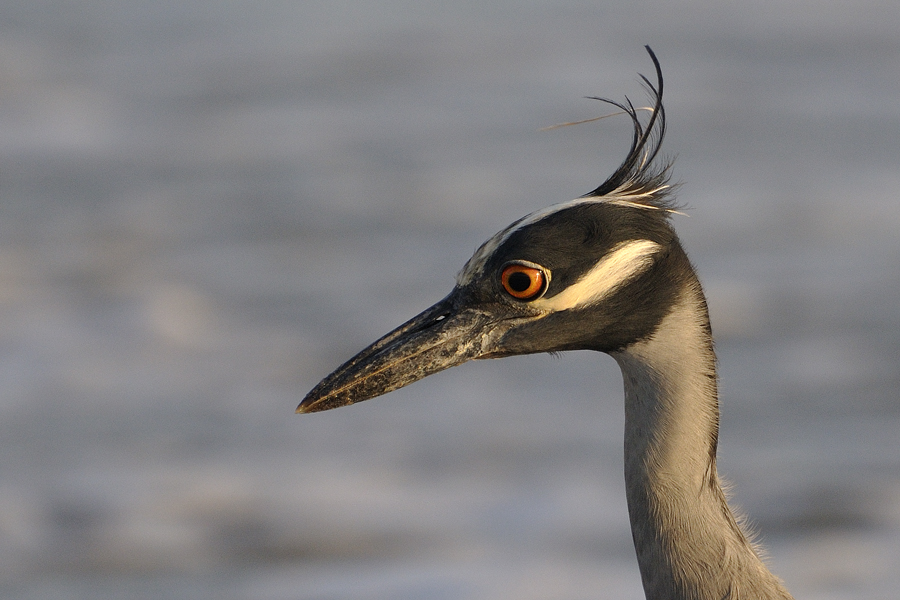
x=443 y=336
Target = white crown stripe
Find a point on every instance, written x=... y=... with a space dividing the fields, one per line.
x=620 y=197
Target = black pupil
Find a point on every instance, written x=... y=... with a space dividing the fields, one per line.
x=519 y=282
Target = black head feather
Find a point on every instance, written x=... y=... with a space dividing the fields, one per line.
x=638 y=177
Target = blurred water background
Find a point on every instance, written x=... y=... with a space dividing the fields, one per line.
x=206 y=206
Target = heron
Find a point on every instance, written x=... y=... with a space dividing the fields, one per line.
x=603 y=272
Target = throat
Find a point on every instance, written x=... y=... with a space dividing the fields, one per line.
x=688 y=543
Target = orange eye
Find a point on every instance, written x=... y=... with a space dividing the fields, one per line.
x=523 y=282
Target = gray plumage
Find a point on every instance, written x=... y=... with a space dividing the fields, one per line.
x=604 y=272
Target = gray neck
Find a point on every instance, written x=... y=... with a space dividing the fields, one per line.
x=688 y=543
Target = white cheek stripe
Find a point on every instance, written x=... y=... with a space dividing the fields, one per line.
x=626 y=261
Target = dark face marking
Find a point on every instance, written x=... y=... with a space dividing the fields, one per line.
x=571 y=241
x=629 y=314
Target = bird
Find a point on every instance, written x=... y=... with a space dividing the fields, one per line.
x=604 y=272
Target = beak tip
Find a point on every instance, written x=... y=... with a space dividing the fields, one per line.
x=308 y=406
x=316 y=403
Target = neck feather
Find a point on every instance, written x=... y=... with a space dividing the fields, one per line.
x=688 y=542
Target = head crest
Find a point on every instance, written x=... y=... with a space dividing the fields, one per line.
x=638 y=181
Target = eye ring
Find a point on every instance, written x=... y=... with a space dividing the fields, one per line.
x=524 y=281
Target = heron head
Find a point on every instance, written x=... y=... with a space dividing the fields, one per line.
x=598 y=273
x=587 y=275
